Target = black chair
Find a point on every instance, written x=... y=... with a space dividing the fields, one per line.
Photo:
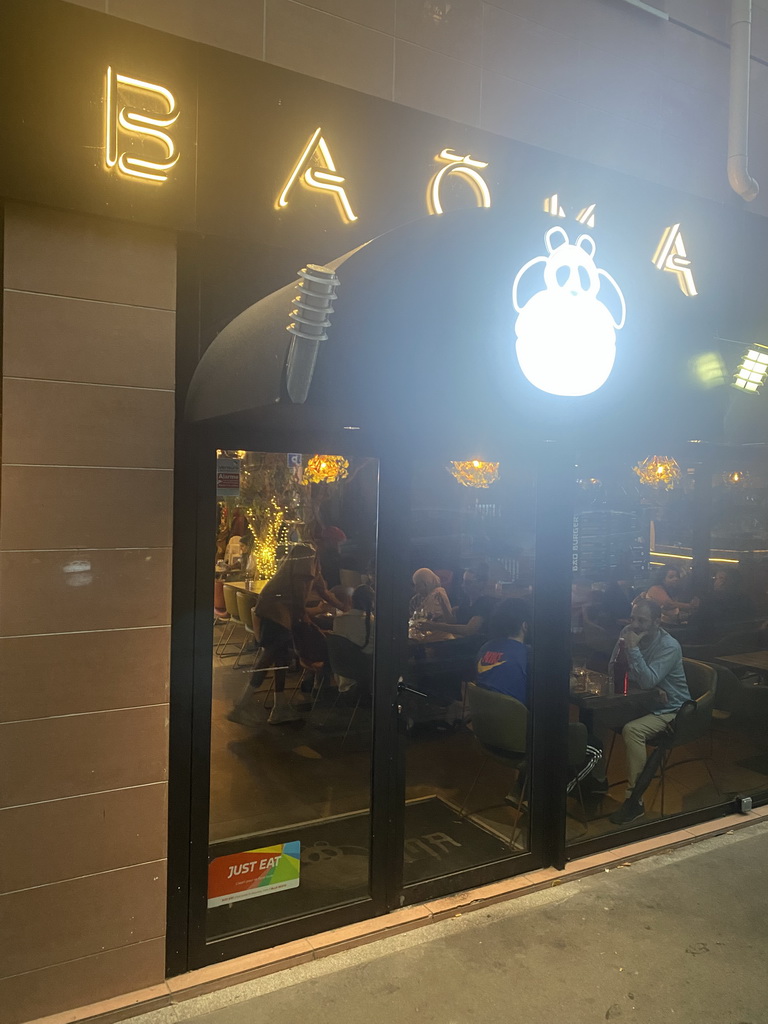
x=577 y=762
x=743 y=699
x=500 y=725
x=348 y=660
x=692 y=722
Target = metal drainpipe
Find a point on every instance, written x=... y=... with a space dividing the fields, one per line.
x=738 y=109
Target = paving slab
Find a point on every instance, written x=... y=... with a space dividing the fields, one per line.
x=679 y=937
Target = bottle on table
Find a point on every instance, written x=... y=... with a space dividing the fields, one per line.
x=621 y=669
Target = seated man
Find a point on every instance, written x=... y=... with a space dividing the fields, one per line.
x=655 y=663
x=502 y=663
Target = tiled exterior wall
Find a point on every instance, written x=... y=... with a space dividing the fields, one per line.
x=85 y=555
x=599 y=80
x=88 y=406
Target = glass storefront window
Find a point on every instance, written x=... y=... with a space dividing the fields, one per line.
x=694 y=542
x=292 y=686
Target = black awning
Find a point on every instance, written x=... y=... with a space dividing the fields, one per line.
x=422 y=345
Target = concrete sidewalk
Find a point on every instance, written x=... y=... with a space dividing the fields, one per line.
x=679 y=937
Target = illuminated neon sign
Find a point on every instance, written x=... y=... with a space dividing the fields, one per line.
x=132 y=124
x=566 y=334
x=316 y=169
x=671 y=256
x=463 y=167
x=554 y=208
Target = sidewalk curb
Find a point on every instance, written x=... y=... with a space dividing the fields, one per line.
x=174 y=991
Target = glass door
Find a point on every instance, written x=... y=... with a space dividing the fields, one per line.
x=292 y=688
x=467 y=691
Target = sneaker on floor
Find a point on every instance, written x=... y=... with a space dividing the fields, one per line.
x=281 y=713
x=628 y=812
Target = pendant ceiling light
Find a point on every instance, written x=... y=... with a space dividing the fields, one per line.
x=475 y=473
x=325 y=469
x=736 y=477
x=660 y=471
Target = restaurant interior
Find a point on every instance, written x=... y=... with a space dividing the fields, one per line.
x=688 y=529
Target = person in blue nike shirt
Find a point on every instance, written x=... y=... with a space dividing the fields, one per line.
x=502 y=663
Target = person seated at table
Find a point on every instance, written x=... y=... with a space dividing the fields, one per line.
x=472 y=615
x=329 y=554
x=502 y=662
x=357 y=625
x=503 y=665
x=655 y=663
x=280 y=607
x=323 y=600
x=665 y=591
x=324 y=611
x=724 y=607
x=429 y=603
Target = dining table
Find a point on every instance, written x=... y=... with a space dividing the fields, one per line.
x=600 y=708
x=247 y=586
x=751 y=661
x=756 y=660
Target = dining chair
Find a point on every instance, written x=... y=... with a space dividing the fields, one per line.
x=350 y=661
x=245 y=604
x=578 y=739
x=500 y=726
x=230 y=603
x=692 y=722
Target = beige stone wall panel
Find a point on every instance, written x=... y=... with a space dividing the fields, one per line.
x=77 y=673
x=87 y=257
x=455 y=28
x=114 y=909
x=91 y=979
x=430 y=81
x=47 y=423
x=333 y=49
x=53 y=337
x=68 y=591
x=235 y=25
x=52 y=841
x=104 y=507
x=80 y=754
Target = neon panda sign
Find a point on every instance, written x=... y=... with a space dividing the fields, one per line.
x=566 y=335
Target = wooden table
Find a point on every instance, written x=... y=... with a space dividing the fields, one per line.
x=756 y=660
x=247 y=586
x=613 y=710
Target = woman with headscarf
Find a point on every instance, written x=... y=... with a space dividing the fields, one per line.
x=278 y=612
x=430 y=601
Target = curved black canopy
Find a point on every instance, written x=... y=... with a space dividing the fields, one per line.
x=422 y=344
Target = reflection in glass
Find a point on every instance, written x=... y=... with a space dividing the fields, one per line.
x=292 y=684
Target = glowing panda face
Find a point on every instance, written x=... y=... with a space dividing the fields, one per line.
x=566 y=335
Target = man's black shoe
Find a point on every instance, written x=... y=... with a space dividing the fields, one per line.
x=629 y=811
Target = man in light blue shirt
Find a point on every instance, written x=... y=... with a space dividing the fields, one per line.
x=655 y=663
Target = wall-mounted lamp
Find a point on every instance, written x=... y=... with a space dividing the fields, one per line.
x=309 y=320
